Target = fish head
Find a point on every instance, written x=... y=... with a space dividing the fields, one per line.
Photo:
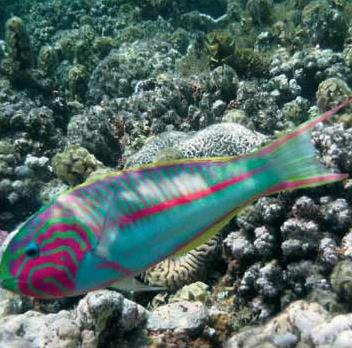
x=41 y=258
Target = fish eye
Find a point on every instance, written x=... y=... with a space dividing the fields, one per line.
x=32 y=250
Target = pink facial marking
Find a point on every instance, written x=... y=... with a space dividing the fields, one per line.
x=38 y=222
x=67 y=242
x=16 y=264
x=40 y=281
x=62 y=228
x=62 y=258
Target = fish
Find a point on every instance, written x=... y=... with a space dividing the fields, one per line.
x=117 y=225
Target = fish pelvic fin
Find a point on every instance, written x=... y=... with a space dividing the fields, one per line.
x=293 y=157
x=131 y=284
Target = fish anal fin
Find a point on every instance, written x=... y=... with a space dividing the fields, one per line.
x=131 y=284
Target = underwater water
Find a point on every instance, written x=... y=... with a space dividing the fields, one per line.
x=88 y=87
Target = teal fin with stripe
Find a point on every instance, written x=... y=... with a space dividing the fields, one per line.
x=293 y=157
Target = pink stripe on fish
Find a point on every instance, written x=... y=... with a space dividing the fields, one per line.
x=16 y=264
x=306 y=182
x=66 y=242
x=65 y=227
x=275 y=189
x=41 y=219
x=38 y=277
x=80 y=205
x=128 y=219
x=41 y=281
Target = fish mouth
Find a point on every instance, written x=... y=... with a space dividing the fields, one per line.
x=7 y=281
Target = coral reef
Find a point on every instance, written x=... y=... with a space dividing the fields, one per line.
x=283 y=248
x=93 y=130
x=197 y=291
x=170 y=8
x=74 y=165
x=311 y=66
x=335 y=144
x=341 y=280
x=301 y=323
x=118 y=74
x=223 y=50
x=87 y=325
x=260 y=11
x=327 y=25
x=331 y=92
x=31 y=129
x=185 y=316
x=224 y=139
x=94 y=86
x=30 y=136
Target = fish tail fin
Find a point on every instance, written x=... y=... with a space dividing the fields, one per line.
x=293 y=157
x=297 y=165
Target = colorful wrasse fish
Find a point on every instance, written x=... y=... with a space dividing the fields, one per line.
x=118 y=225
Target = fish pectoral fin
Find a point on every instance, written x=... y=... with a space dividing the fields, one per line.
x=110 y=233
x=131 y=284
